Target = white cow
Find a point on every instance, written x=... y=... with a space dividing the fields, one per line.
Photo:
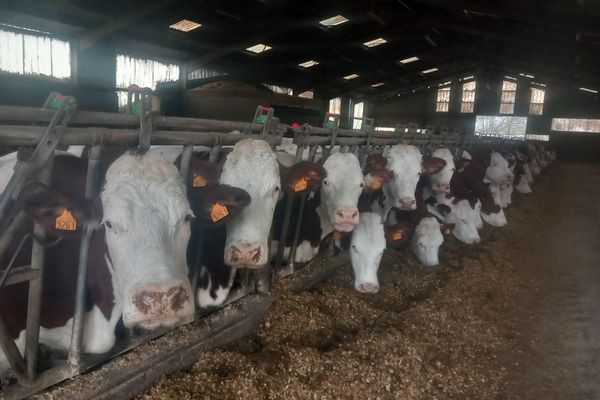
x=366 y=250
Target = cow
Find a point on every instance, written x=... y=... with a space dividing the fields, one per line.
x=440 y=181
x=366 y=250
x=458 y=213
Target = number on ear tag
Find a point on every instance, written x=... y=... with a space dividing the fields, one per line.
x=198 y=181
x=65 y=221
x=376 y=185
x=397 y=235
x=300 y=185
x=218 y=212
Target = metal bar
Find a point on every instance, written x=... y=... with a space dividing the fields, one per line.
x=20 y=274
x=11 y=352
x=186 y=159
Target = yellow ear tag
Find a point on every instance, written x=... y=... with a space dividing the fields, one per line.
x=447 y=231
x=65 y=221
x=300 y=185
x=218 y=212
x=397 y=235
x=337 y=235
x=198 y=181
x=376 y=185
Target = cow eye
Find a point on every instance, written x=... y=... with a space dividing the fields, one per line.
x=189 y=218
x=362 y=184
x=453 y=169
x=354 y=247
x=418 y=174
x=108 y=224
x=325 y=182
x=277 y=189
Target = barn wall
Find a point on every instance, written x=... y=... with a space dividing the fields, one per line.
x=419 y=107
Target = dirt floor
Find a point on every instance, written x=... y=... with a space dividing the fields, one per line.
x=514 y=317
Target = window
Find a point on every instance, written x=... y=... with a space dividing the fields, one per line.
x=443 y=99
x=142 y=72
x=499 y=125
x=375 y=42
x=333 y=21
x=259 y=48
x=507 y=99
x=543 y=138
x=357 y=115
x=536 y=105
x=185 y=25
x=385 y=129
x=468 y=97
x=34 y=55
x=576 y=125
x=309 y=94
x=204 y=73
x=335 y=106
x=279 y=89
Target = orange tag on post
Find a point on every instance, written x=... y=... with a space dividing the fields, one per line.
x=397 y=235
x=376 y=185
x=65 y=221
x=218 y=212
x=198 y=181
x=337 y=235
x=300 y=185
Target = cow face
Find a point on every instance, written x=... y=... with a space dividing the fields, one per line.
x=440 y=181
x=340 y=192
x=146 y=219
x=251 y=166
x=461 y=215
x=427 y=240
x=366 y=250
x=407 y=165
x=499 y=170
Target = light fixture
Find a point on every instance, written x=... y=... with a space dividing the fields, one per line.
x=308 y=64
x=527 y=75
x=430 y=70
x=351 y=76
x=378 y=84
x=259 y=48
x=409 y=60
x=185 y=25
x=588 y=90
x=333 y=21
x=375 y=42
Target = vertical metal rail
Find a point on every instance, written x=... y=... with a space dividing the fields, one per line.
x=89 y=226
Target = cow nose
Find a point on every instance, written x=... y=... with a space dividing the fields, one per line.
x=346 y=215
x=408 y=203
x=244 y=254
x=368 y=287
x=158 y=302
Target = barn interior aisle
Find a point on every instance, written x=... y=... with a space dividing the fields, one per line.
x=557 y=251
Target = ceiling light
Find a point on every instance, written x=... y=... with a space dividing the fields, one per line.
x=588 y=90
x=430 y=70
x=375 y=42
x=526 y=75
x=510 y=77
x=308 y=64
x=377 y=84
x=185 y=25
x=259 y=48
x=351 y=76
x=409 y=60
x=333 y=21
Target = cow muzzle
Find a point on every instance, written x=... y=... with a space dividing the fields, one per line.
x=242 y=255
x=407 y=203
x=441 y=188
x=346 y=218
x=160 y=305
x=367 y=287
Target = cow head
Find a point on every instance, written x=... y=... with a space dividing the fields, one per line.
x=461 y=215
x=427 y=240
x=499 y=170
x=440 y=181
x=398 y=234
x=407 y=164
x=366 y=250
x=147 y=223
x=340 y=192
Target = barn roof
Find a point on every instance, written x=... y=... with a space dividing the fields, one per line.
x=557 y=42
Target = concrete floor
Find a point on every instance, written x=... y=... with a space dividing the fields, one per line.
x=558 y=351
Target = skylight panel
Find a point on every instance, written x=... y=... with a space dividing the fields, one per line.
x=409 y=60
x=588 y=90
x=378 y=84
x=259 y=48
x=375 y=42
x=351 y=76
x=333 y=21
x=185 y=25
x=526 y=75
x=430 y=70
x=308 y=64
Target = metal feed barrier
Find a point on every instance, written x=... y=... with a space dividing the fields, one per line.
x=23 y=128
x=37 y=132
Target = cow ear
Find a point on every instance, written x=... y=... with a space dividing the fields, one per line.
x=443 y=209
x=472 y=202
x=215 y=205
x=377 y=178
x=432 y=165
x=302 y=177
x=204 y=173
x=374 y=162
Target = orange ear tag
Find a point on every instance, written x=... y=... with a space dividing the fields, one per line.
x=65 y=221
x=337 y=235
x=397 y=235
x=376 y=185
x=447 y=231
x=218 y=212
x=300 y=185
x=198 y=181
